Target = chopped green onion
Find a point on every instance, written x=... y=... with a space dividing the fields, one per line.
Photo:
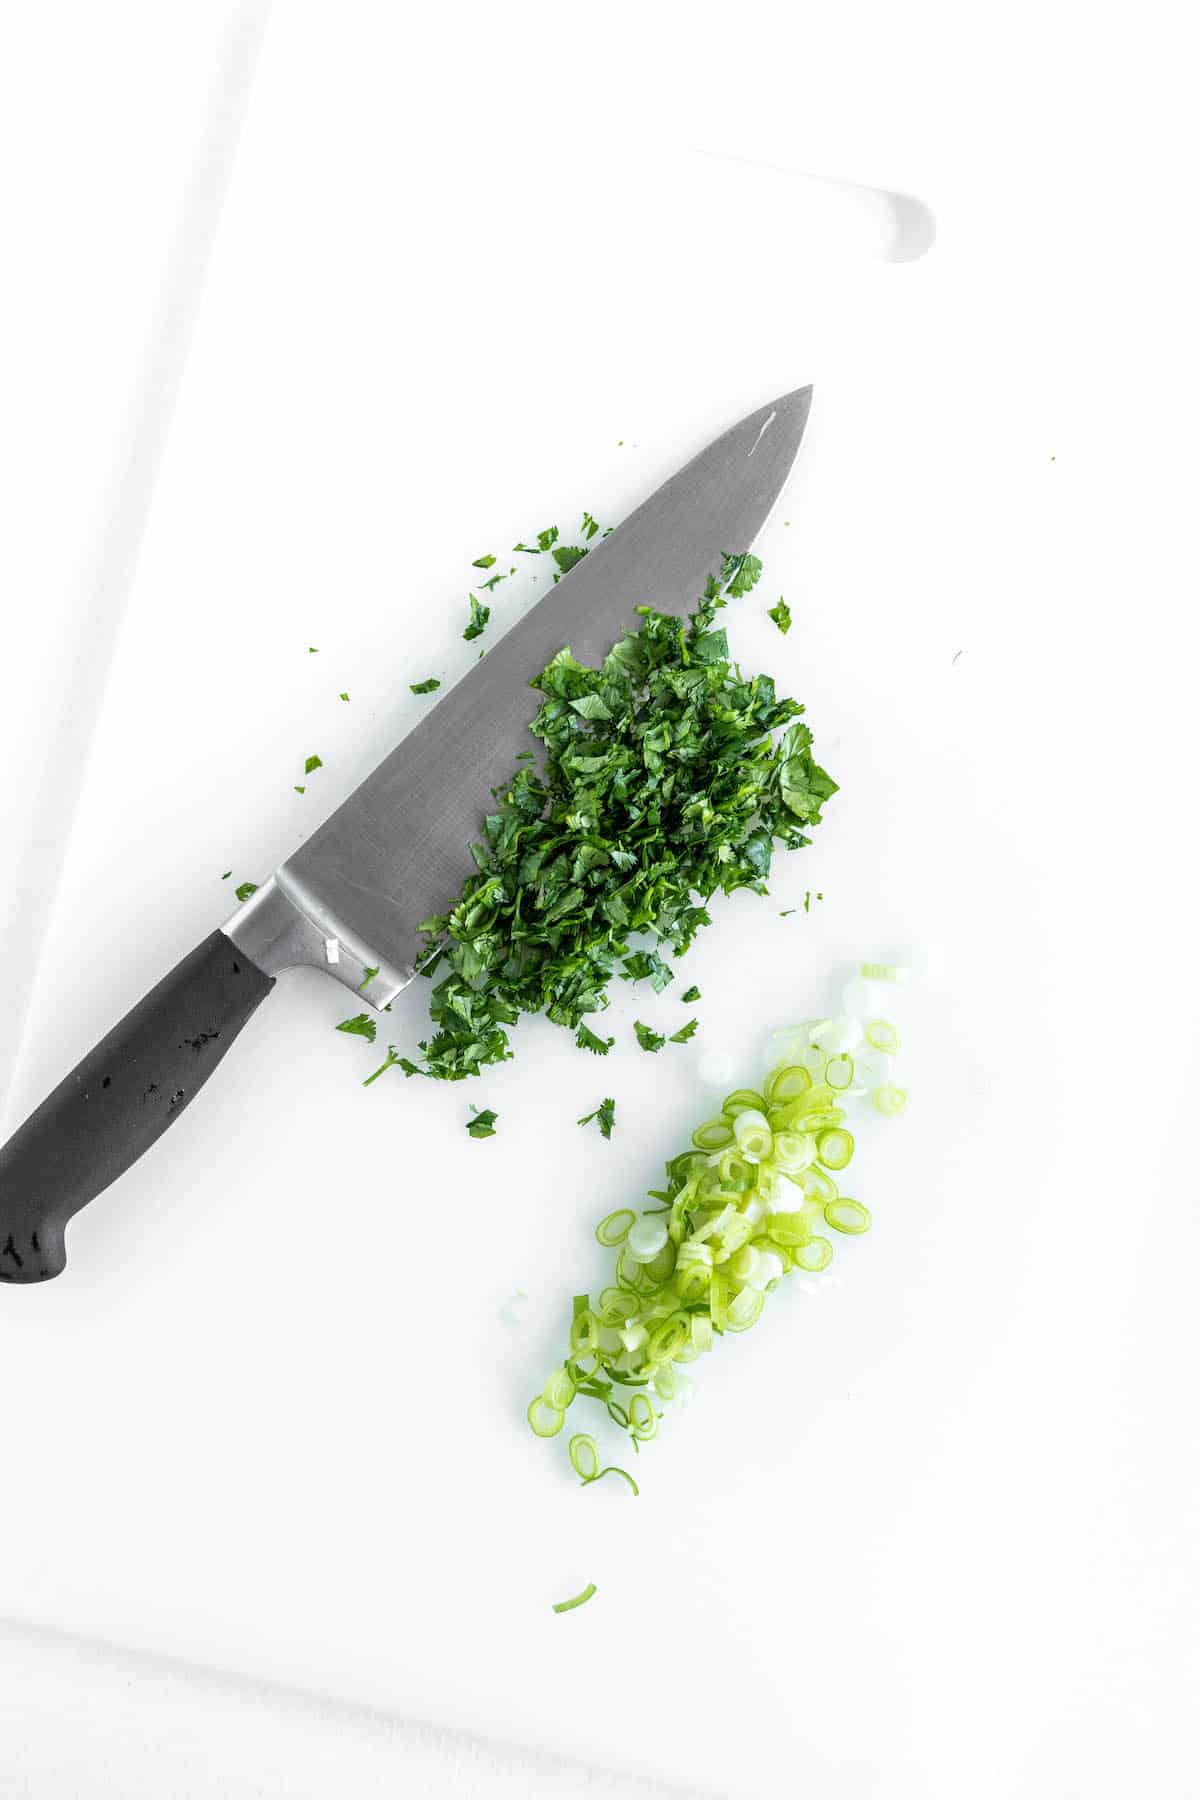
x=561 y=1606
x=743 y=1100
x=882 y=1035
x=614 y=1229
x=835 y=1148
x=559 y=1390
x=544 y=1421
x=877 y=971
x=849 y=1216
x=643 y=1420
x=613 y=1470
x=714 y=1135
x=584 y=1453
x=788 y=1082
x=753 y=1135
x=814 y=1256
x=890 y=1099
x=839 y=1072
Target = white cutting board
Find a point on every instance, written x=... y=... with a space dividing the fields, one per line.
x=272 y=1416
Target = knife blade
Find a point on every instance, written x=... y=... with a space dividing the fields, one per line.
x=396 y=851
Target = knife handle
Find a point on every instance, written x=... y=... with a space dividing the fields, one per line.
x=119 y=1100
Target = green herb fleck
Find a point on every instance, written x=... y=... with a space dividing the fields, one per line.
x=603 y=1116
x=685 y=1032
x=740 y=573
x=587 y=1040
x=589 y=527
x=369 y=975
x=692 y=994
x=244 y=889
x=782 y=615
x=312 y=649
x=483 y=1125
x=297 y=790
x=483 y=562
x=649 y=1040
x=487 y=586
x=567 y=555
x=479 y=618
x=311 y=763
x=788 y=913
x=361 y=1025
x=429 y=686
x=343 y=696
x=227 y=874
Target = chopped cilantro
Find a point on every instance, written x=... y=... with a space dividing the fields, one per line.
x=361 y=1025
x=390 y=1062
x=685 y=1032
x=311 y=763
x=244 y=889
x=369 y=975
x=343 y=696
x=479 y=618
x=649 y=1040
x=567 y=555
x=297 y=790
x=788 y=913
x=782 y=615
x=495 y=581
x=669 y=777
x=647 y=963
x=312 y=649
x=544 y=540
x=227 y=874
x=693 y=993
x=429 y=686
x=589 y=527
x=740 y=573
x=483 y=1125
x=483 y=562
x=603 y=1116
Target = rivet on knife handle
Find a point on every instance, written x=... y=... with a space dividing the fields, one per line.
x=119 y=1100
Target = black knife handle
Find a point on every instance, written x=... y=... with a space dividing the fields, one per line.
x=119 y=1100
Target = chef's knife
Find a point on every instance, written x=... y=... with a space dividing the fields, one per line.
x=350 y=898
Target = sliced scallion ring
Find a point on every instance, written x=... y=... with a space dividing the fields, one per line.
x=835 y=1147
x=544 y=1421
x=614 y=1229
x=839 y=1072
x=788 y=1083
x=882 y=1035
x=584 y=1453
x=848 y=1215
x=745 y=1309
x=714 y=1135
x=742 y=1100
x=643 y=1420
x=559 y=1390
x=814 y=1256
x=753 y=1134
x=890 y=1099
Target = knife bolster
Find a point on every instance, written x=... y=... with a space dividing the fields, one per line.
x=283 y=926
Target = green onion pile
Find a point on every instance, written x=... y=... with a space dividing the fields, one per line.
x=752 y=1199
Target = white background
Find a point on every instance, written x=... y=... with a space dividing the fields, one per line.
x=933 y=1531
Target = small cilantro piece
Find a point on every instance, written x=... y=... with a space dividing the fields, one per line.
x=369 y=975
x=587 y=1040
x=429 y=686
x=693 y=993
x=297 y=790
x=311 y=763
x=649 y=1040
x=647 y=964
x=685 y=1032
x=603 y=1116
x=589 y=527
x=567 y=555
x=361 y=1025
x=478 y=620
x=544 y=540
x=483 y=1125
x=312 y=649
x=788 y=913
x=483 y=562
x=782 y=615
x=227 y=874
x=244 y=889
x=740 y=573
x=343 y=696
x=494 y=582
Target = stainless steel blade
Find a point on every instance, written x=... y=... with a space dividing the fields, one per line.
x=396 y=851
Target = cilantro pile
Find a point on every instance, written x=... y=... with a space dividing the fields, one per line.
x=668 y=777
